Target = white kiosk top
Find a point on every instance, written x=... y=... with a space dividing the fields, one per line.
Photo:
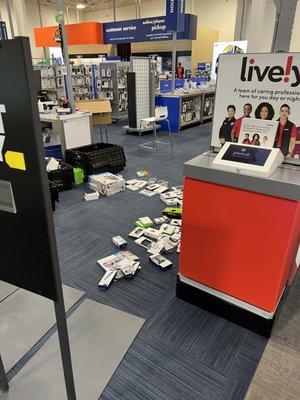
x=284 y=182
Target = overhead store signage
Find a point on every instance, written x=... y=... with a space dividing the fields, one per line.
x=81 y=33
x=264 y=87
x=147 y=30
x=175 y=13
x=59 y=17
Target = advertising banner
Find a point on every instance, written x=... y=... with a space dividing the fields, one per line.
x=175 y=15
x=147 y=30
x=263 y=87
x=232 y=47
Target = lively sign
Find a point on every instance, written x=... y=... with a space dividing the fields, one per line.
x=259 y=87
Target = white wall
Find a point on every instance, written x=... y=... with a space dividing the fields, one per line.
x=33 y=19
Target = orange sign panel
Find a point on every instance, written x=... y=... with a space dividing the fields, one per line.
x=81 y=33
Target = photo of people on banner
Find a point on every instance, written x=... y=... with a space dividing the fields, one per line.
x=258 y=102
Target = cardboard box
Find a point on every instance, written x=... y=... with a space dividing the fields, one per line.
x=100 y=109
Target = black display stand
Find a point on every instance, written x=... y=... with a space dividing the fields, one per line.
x=29 y=256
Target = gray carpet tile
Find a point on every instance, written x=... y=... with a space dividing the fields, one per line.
x=181 y=352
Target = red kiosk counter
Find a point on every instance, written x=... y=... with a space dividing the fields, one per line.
x=240 y=238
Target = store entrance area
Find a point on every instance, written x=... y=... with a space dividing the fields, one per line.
x=181 y=352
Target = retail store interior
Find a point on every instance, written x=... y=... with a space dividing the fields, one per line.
x=149 y=199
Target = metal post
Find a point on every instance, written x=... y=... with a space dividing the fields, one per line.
x=64 y=345
x=41 y=24
x=139 y=8
x=173 y=60
x=114 y=10
x=3 y=380
x=65 y=53
x=11 y=25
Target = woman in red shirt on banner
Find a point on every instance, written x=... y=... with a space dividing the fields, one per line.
x=286 y=133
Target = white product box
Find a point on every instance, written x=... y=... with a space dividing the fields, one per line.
x=166 y=229
x=161 y=261
x=119 y=242
x=136 y=233
x=147 y=193
x=152 y=233
x=91 y=196
x=144 y=242
x=106 y=280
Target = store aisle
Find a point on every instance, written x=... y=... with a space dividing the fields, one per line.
x=181 y=352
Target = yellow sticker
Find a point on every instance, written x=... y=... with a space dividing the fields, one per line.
x=15 y=160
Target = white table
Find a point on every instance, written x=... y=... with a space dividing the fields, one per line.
x=75 y=130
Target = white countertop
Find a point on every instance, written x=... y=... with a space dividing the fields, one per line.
x=56 y=117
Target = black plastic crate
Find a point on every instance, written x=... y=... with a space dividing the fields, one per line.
x=63 y=177
x=98 y=157
x=54 y=194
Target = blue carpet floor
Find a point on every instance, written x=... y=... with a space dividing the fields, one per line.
x=182 y=352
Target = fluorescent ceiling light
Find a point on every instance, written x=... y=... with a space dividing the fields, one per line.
x=80 y=6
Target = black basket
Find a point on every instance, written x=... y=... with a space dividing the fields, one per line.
x=54 y=194
x=63 y=178
x=98 y=157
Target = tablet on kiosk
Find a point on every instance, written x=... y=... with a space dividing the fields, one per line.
x=248 y=159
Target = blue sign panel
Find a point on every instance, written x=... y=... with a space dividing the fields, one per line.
x=147 y=30
x=175 y=12
x=165 y=85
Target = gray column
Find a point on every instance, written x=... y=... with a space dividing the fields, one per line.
x=286 y=10
x=20 y=17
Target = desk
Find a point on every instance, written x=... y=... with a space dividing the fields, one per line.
x=240 y=237
x=74 y=129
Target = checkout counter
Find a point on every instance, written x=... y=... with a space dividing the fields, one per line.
x=240 y=238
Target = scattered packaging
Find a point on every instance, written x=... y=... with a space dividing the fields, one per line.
x=173 y=212
x=170 y=202
x=180 y=187
x=161 y=182
x=144 y=222
x=160 y=220
x=136 y=233
x=152 y=180
x=166 y=229
x=161 y=189
x=107 y=183
x=52 y=165
x=153 y=186
x=135 y=184
x=144 y=242
x=175 y=222
x=119 y=242
x=91 y=196
x=152 y=233
x=107 y=280
x=161 y=261
x=156 y=247
x=147 y=193
x=142 y=174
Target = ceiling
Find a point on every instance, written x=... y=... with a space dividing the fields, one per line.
x=94 y=5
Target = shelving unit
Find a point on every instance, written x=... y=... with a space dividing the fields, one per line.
x=113 y=82
x=207 y=105
x=187 y=109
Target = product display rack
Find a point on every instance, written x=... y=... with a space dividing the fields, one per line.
x=207 y=105
x=190 y=109
x=52 y=78
x=113 y=83
x=83 y=82
x=187 y=108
